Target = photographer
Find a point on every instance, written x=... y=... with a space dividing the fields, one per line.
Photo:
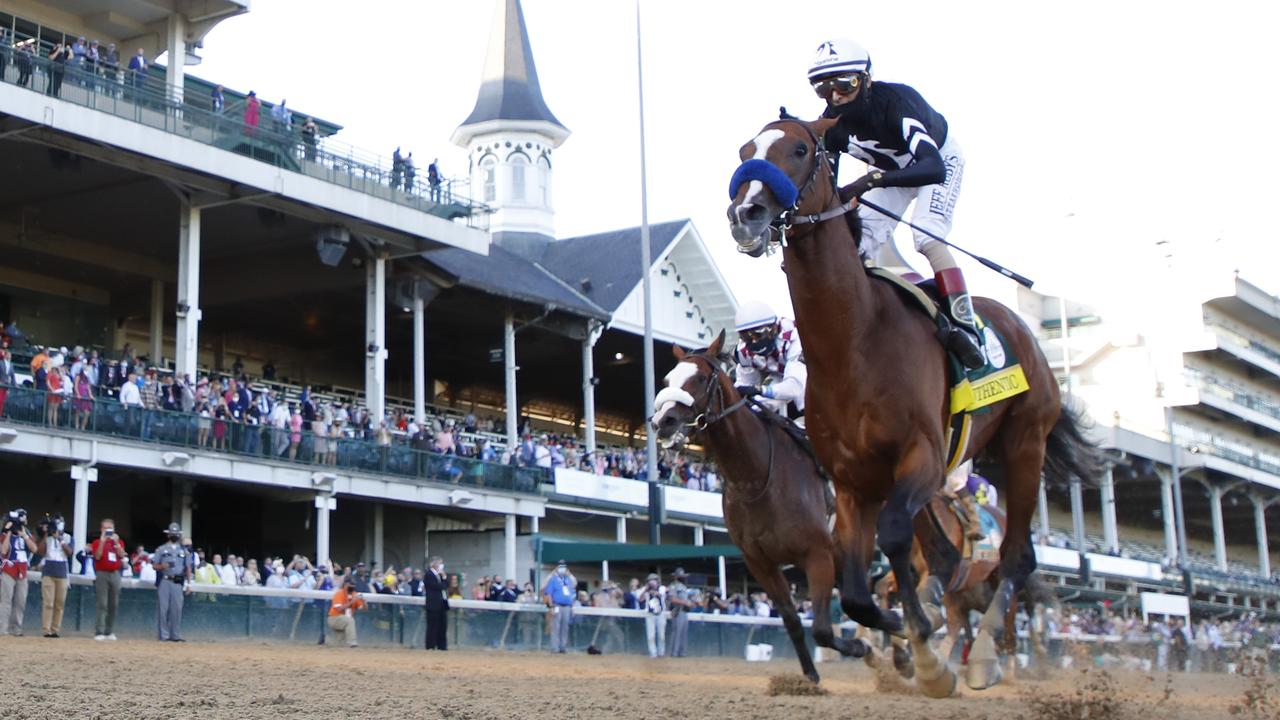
x=341 y=620
x=56 y=547
x=109 y=555
x=653 y=600
x=16 y=546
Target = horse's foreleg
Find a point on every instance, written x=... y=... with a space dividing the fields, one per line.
x=856 y=529
x=1024 y=457
x=954 y=627
x=896 y=534
x=775 y=586
x=820 y=568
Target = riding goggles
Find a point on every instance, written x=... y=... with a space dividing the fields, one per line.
x=757 y=335
x=843 y=84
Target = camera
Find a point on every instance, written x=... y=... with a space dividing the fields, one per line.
x=16 y=520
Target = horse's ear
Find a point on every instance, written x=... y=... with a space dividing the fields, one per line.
x=678 y=352
x=714 y=348
x=821 y=125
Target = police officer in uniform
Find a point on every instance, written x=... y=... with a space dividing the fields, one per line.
x=173 y=570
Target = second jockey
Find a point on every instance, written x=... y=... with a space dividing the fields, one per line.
x=770 y=361
x=960 y=486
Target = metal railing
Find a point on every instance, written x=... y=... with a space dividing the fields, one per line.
x=107 y=417
x=144 y=98
x=1237 y=394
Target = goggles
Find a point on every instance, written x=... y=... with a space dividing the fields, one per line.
x=755 y=335
x=843 y=84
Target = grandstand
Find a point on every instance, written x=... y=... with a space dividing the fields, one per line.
x=240 y=250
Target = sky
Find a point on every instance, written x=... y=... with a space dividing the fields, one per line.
x=1105 y=142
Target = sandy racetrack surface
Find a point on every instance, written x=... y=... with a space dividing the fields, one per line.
x=80 y=678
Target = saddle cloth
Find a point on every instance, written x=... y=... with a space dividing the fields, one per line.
x=972 y=391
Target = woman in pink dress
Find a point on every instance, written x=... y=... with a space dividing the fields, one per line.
x=252 y=111
x=84 y=400
x=295 y=433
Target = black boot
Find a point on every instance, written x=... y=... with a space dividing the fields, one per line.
x=959 y=342
x=962 y=337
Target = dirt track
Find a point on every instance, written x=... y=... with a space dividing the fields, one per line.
x=80 y=678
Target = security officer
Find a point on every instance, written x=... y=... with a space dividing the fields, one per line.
x=173 y=571
x=678 y=598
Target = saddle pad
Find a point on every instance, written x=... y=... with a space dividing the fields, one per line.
x=974 y=391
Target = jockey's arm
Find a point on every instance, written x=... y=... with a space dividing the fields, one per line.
x=747 y=375
x=794 y=374
x=925 y=168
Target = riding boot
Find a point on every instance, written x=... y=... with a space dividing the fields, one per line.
x=969 y=507
x=961 y=339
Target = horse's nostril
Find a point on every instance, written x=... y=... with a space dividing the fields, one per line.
x=754 y=213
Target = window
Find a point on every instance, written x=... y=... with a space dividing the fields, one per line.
x=544 y=181
x=488 y=176
x=519 y=166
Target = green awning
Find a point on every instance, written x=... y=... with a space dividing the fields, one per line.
x=551 y=551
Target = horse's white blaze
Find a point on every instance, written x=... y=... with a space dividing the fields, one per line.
x=674 y=392
x=763 y=141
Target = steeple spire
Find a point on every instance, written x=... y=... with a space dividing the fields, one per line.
x=510 y=90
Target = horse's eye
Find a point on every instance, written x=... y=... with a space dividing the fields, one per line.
x=801 y=150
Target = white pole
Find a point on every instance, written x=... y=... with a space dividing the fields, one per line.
x=509 y=538
x=651 y=445
x=419 y=360
x=509 y=373
x=724 y=581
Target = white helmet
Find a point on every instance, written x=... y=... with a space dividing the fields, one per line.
x=753 y=314
x=839 y=55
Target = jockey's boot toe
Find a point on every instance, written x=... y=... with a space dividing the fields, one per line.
x=965 y=347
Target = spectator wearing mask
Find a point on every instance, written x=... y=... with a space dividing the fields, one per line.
x=108 y=553
x=16 y=547
x=678 y=597
x=435 y=587
x=56 y=546
x=173 y=563
x=560 y=592
x=342 y=621
x=653 y=600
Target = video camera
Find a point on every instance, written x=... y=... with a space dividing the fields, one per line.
x=50 y=525
x=15 y=520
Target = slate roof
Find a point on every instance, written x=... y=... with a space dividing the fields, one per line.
x=505 y=274
x=610 y=261
x=510 y=90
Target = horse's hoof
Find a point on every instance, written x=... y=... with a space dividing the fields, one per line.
x=872 y=658
x=902 y=662
x=852 y=648
x=940 y=686
x=935 y=616
x=813 y=677
x=983 y=674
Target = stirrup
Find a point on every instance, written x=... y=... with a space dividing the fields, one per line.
x=959 y=342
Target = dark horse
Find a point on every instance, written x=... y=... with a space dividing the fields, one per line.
x=775 y=501
x=877 y=403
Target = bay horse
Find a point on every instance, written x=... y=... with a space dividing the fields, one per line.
x=774 y=498
x=877 y=403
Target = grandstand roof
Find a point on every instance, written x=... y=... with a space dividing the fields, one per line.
x=606 y=266
x=510 y=89
x=509 y=275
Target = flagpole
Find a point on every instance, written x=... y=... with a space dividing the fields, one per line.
x=651 y=444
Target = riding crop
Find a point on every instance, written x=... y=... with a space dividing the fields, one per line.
x=1020 y=279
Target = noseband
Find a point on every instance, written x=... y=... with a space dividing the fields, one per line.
x=713 y=394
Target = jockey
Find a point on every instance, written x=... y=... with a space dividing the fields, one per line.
x=959 y=486
x=770 y=361
x=910 y=156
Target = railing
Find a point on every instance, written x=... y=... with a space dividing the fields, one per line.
x=1243 y=341
x=1238 y=395
x=108 y=417
x=144 y=98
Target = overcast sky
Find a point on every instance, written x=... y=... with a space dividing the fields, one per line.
x=1092 y=130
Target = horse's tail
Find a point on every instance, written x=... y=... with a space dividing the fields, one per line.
x=1069 y=455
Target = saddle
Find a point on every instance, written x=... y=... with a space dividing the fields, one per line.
x=972 y=391
x=974 y=554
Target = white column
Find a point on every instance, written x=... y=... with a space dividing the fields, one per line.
x=377 y=535
x=1260 y=528
x=157 y=321
x=419 y=359
x=187 y=345
x=1219 y=534
x=620 y=532
x=80 y=504
x=1110 y=531
x=697 y=535
x=724 y=581
x=1166 y=514
x=183 y=492
x=589 y=387
x=375 y=324
x=509 y=367
x=1077 y=515
x=509 y=542
x=177 y=46
x=1044 y=515
x=324 y=503
x=535 y=525
x=604 y=571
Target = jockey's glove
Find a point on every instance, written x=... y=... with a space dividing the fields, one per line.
x=747 y=391
x=859 y=187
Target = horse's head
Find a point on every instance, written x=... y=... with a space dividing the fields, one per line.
x=779 y=173
x=681 y=408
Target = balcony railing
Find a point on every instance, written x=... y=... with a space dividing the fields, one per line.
x=107 y=417
x=1243 y=341
x=1238 y=395
x=144 y=98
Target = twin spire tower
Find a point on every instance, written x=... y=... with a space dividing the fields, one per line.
x=509 y=137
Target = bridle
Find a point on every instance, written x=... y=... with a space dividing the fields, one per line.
x=713 y=394
x=789 y=218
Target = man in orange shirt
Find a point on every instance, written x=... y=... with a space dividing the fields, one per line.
x=346 y=601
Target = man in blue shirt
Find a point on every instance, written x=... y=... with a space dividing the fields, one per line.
x=559 y=593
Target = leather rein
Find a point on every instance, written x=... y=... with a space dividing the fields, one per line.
x=789 y=217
